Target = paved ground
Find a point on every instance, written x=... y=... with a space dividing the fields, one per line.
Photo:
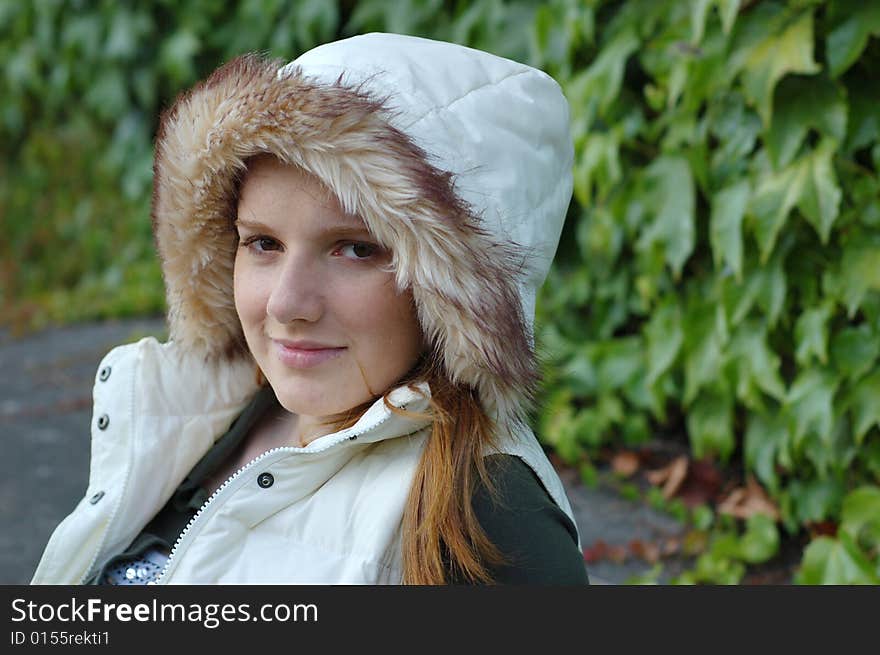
x=45 y=411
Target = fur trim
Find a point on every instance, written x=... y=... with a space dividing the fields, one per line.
x=464 y=282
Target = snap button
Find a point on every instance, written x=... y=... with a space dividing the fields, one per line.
x=96 y=497
x=103 y=422
x=104 y=374
x=265 y=480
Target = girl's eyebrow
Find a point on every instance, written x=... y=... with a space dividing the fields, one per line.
x=338 y=229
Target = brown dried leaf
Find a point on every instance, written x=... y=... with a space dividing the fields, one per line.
x=670 y=476
x=747 y=501
x=617 y=553
x=705 y=473
x=657 y=476
x=625 y=463
x=645 y=550
x=822 y=529
x=595 y=552
x=670 y=546
x=731 y=503
x=677 y=474
x=702 y=483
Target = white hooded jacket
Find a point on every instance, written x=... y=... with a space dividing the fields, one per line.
x=459 y=162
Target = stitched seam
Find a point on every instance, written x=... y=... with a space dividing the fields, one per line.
x=434 y=110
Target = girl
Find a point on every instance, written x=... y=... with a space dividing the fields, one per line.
x=351 y=246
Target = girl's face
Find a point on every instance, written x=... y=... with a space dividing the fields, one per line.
x=321 y=317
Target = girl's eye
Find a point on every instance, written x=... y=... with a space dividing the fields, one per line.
x=261 y=244
x=358 y=250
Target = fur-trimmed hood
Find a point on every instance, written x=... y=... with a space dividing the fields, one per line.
x=458 y=161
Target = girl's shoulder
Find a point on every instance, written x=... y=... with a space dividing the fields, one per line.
x=536 y=537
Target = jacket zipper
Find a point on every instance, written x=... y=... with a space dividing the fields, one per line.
x=183 y=535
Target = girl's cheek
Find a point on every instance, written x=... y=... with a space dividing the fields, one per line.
x=251 y=291
x=353 y=301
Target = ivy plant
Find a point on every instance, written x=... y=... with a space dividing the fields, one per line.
x=721 y=275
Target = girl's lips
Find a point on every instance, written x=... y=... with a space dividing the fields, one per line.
x=305 y=357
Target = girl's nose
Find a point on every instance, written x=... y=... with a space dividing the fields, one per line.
x=296 y=293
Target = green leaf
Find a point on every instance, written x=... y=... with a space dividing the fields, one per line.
x=636 y=430
x=860 y=515
x=810 y=184
x=820 y=199
x=593 y=90
x=766 y=442
x=816 y=499
x=718 y=569
x=725 y=227
x=710 y=426
x=811 y=334
x=559 y=426
x=777 y=55
x=705 y=333
x=665 y=337
x=579 y=373
x=702 y=517
x=143 y=82
x=864 y=119
x=609 y=409
x=771 y=284
x=802 y=103
x=847 y=40
x=699 y=9
x=837 y=562
x=81 y=35
x=599 y=237
x=649 y=577
x=177 y=56
x=856 y=274
x=127 y=29
x=756 y=366
x=760 y=541
x=589 y=477
x=108 y=97
x=591 y=427
x=859 y=273
x=557 y=412
x=598 y=166
x=725 y=544
x=315 y=22
x=831 y=455
x=671 y=189
x=772 y=201
x=864 y=401
x=810 y=401
x=728 y=10
x=854 y=350
x=869 y=454
x=619 y=361
x=737 y=129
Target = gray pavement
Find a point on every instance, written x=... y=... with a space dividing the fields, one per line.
x=45 y=411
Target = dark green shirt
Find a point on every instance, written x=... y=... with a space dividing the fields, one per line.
x=536 y=538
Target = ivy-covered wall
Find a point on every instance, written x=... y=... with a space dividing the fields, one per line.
x=719 y=275
x=723 y=275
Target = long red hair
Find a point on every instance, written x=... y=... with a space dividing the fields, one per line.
x=442 y=539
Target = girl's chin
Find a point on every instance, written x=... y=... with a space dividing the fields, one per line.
x=307 y=404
